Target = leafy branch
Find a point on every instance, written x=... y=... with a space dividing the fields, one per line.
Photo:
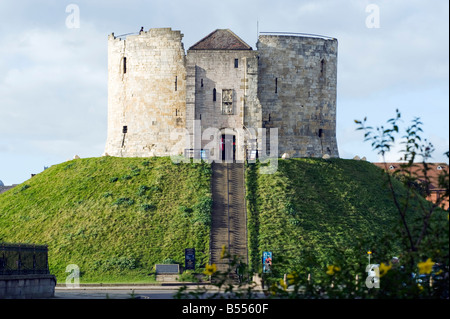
x=415 y=149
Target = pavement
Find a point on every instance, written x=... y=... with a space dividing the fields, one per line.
x=120 y=291
x=114 y=293
x=166 y=291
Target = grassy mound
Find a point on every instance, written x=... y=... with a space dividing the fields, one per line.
x=312 y=210
x=113 y=217
x=117 y=217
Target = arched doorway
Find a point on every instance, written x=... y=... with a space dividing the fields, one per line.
x=228 y=147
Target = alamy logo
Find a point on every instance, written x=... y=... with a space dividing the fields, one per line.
x=73 y=279
x=373 y=19
x=373 y=278
x=73 y=19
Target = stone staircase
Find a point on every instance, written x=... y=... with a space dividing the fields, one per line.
x=228 y=223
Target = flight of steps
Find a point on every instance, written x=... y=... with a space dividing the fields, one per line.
x=228 y=222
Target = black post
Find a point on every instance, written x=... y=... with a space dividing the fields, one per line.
x=19 y=262
x=34 y=258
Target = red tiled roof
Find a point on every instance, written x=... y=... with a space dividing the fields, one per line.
x=221 y=39
x=433 y=172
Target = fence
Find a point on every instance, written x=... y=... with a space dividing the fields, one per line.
x=23 y=259
x=196 y=153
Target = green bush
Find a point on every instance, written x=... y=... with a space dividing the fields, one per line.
x=147 y=207
x=142 y=190
x=117 y=263
x=202 y=211
x=125 y=177
x=125 y=201
x=185 y=211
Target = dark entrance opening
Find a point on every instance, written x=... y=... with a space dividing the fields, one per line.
x=228 y=147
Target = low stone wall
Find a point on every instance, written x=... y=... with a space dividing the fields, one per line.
x=27 y=286
x=6 y=188
x=167 y=278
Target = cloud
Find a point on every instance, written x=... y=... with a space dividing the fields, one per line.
x=53 y=80
x=56 y=86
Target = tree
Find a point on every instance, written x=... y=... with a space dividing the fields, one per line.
x=425 y=235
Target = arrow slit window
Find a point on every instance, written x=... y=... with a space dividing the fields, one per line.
x=227 y=102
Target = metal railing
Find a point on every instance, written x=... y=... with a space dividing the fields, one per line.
x=124 y=36
x=297 y=34
x=23 y=259
x=197 y=153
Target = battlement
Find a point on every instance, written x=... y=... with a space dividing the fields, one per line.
x=156 y=32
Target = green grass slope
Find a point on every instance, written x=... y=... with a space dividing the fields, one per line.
x=312 y=210
x=113 y=217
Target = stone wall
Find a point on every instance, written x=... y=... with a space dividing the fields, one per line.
x=146 y=93
x=6 y=188
x=297 y=90
x=289 y=83
x=210 y=70
x=27 y=286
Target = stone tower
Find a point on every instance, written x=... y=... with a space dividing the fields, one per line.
x=154 y=88
x=146 y=93
x=297 y=91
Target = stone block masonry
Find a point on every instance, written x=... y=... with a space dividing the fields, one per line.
x=218 y=72
x=297 y=88
x=155 y=89
x=146 y=93
x=27 y=286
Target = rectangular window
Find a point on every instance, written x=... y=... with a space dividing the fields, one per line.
x=227 y=102
x=276 y=85
x=236 y=63
x=176 y=83
x=125 y=129
x=124 y=65
x=214 y=95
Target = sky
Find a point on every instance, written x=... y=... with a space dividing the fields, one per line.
x=53 y=66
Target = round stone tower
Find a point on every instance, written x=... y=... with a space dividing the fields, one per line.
x=297 y=91
x=146 y=93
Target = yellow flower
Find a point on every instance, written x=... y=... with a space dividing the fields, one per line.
x=210 y=269
x=273 y=289
x=332 y=270
x=369 y=252
x=223 y=252
x=283 y=284
x=292 y=278
x=425 y=267
x=384 y=268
